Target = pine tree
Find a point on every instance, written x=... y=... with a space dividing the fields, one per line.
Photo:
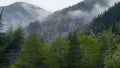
x=1 y=26
x=55 y=56
x=3 y=58
x=31 y=53
x=74 y=52
x=90 y=49
x=14 y=41
x=112 y=60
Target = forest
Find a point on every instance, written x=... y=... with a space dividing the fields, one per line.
x=95 y=46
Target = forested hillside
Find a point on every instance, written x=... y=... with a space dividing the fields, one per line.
x=108 y=20
x=96 y=46
x=69 y=19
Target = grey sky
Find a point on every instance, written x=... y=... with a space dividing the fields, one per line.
x=50 y=5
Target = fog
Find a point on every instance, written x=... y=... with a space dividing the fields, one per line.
x=98 y=7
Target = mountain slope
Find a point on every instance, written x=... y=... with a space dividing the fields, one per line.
x=105 y=21
x=22 y=12
x=71 y=18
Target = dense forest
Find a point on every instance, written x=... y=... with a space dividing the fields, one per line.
x=96 y=46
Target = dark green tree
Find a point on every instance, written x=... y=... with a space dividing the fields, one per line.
x=112 y=60
x=3 y=58
x=14 y=41
x=31 y=53
x=90 y=49
x=1 y=32
x=55 y=56
x=74 y=53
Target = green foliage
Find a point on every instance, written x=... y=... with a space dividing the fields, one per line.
x=14 y=39
x=31 y=53
x=55 y=56
x=10 y=48
x=113 y=59
x=3 y=58
x=90 y=49
x=116 y=28
x=105 y=21
x=74 y=53
x=1 y=33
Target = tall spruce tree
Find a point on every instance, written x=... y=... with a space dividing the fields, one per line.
x=90 y=49
x=1 y=27
x=74 y=52
x=31 y=53
x=14 y=41
x=55 y=56
x=112 y=60
x=3 y=59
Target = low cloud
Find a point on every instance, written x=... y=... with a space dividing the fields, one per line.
x=99 y=6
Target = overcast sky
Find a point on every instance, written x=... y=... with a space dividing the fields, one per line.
x=50 y=5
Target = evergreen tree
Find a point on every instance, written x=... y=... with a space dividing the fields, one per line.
x=55 y=56
x=112 y=60
x=74 y=53
x=105 y=21
x=116 y=28
x=3 y=58
x=31 y=53
x=1 y=33
x=14 y=43
x=90 y=49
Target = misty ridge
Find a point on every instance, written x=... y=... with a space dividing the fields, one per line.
x=22 y=13
x=51 y=25
x=69 y=19
x=94 y=8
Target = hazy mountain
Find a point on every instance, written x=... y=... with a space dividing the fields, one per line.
x=76 y=16
x=23 y=13
x=50 y=25
x=108 y=20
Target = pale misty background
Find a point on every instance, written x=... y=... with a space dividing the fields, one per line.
x=50 y=5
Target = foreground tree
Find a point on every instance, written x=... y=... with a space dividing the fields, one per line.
x=1 y=33
x=74 y=53
x=31 y=53
x=3 y=58
x=112 y=60
x=14 y=41
x=90 y=49
x=108 y=41
x=55 y=56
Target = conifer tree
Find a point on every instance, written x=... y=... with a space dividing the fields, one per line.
x=74 y=52
x=31 y=53
x=14 y=41
x=3 y=59
x=90 y=49
x=55 y=56
x=112 y=60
